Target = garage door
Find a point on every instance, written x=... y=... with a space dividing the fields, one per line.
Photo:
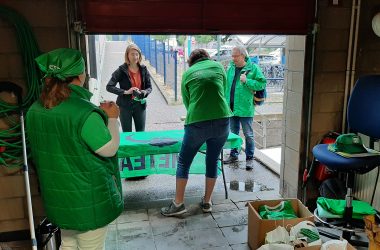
x=197 y=16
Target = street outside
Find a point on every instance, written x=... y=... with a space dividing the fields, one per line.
x=161 y=116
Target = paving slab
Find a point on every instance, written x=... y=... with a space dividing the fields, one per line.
x=236 y=234
x=231 y=218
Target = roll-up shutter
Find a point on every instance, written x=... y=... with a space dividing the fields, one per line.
x=197 y=16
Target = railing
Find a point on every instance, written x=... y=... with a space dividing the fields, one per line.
x=275 y=84
x=165 y=61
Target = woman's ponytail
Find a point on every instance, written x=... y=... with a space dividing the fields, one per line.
x=55 y=91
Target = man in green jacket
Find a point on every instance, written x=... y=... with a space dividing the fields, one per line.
x=243 y=78
x=73 y=145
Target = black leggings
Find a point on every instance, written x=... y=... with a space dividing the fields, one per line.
x=137 y=111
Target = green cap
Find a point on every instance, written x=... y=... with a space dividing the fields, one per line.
x=348 y=143
x=61 y=63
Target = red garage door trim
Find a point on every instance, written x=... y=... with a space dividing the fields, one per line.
x=198 y=16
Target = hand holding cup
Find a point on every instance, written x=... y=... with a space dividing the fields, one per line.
x=110 y=108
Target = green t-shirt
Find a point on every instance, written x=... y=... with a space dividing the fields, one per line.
x=95 y=132
x=283 y=210
x=203 y=92
x=331 y=208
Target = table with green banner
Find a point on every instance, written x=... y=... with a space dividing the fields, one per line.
x=156 y=152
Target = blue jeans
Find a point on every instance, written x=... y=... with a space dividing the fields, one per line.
x=214 y=133
x=246 y=123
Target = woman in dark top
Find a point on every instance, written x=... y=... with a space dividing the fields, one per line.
x=134 y=87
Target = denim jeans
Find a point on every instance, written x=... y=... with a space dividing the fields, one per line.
x=246 y=123
x=214 y=133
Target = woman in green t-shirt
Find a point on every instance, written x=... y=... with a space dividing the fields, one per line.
x=207 y=121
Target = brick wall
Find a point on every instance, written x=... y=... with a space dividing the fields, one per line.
x=48 y=21
x=329 y=82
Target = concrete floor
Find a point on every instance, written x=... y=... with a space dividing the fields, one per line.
x=141 y=226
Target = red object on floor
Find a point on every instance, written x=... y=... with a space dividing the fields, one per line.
x=321 y=171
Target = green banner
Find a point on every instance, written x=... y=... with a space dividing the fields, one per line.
x=158 y=164
x=160 y=142
x=156 y=152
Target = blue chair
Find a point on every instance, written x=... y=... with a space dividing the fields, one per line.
x=363 y=116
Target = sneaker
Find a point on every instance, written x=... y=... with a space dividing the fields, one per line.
x=231 y=159
x=173 y=210
x=249 y=164
x=206 y=206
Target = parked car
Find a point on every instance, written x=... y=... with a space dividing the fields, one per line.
x=222 y=55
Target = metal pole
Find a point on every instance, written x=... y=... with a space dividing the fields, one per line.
x=163 y=54
x=175 y=76
x=218 y=49
x=27 y=185
x=149 y=49
x=224 y=178
x=155 y=54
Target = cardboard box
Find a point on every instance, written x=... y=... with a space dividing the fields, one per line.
x=257 y=227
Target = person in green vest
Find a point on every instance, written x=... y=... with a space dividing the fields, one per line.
x=243 y=78
x=73 y=146
x=207 y=121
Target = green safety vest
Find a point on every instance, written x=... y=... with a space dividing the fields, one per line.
x=80 y=189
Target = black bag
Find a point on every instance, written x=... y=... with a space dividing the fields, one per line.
x=333 y=188
x=259 y=97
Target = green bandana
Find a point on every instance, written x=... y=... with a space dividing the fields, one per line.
x=61 y=63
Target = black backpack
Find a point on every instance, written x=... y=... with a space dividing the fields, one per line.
x=333 y=188
x=259 y=96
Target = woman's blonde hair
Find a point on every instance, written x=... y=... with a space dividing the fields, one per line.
x=129 y=48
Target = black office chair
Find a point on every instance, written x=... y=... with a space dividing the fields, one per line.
x=363 y=116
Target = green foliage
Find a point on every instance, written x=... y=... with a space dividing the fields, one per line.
x=204 y=39
x=181 y=40
x=224 y=38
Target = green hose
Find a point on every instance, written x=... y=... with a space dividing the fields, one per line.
x=10 y=139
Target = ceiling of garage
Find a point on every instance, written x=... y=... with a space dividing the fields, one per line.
x=197 y=16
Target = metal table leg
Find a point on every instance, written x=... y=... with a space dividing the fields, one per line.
x=224 y=178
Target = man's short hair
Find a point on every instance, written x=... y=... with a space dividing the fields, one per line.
x=242 y=50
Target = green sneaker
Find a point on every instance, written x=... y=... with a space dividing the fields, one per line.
x=173 y=210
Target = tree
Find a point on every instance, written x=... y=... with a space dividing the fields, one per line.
x=181 y=40
x=204 y=39
x=224 y=38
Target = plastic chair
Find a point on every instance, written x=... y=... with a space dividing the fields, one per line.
x=363 y=116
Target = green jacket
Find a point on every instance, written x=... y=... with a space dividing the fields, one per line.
x=80 y=189
x=203 y=89
x=243 y=101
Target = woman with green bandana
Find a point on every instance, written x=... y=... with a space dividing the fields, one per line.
x=134 y=88
x=78 y=171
